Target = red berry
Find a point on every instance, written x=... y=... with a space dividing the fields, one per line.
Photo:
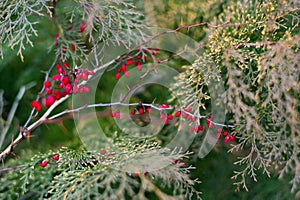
x=218 y=136
x=48 y=91
x=85 y=77
x=149 y=110
x=166 y=122
x=57 y=36
x=55 y=157
x=103 y=151
x=164 y=106
x=79 y=76
x=188 y=109
x=63 y=94
x=126 y=74
x=75 y=89
x=73 y=47
x=226 y=139
x=133 y=112
x=118 y=75
x=177 y=114
x=56 y=77
x=123 y=68
x=129 y=62
x=200 y=128
x=174 y=161
x=87 y=89
x=65 y=80
x=57 y=94
x=119 y=70
x=36 y=105
x=64 y=49
x=225 y=133
x=189 y=117
x=141 y=111
x=59 y=68
x=220 y=130
x=117 y=115
x=136 y=175
x=231 y=138
x=91 y=72
x=66 y=65
x=83 y=89
x=82 y=27
x=162 y=116
x=169 y=117
x=47 y=84
x=50 y=101
x=44 y=163
x=139 y=67
x=192 y=129
x=61 y=85
x=209 y=123
x=184 y=115
x=68 y=88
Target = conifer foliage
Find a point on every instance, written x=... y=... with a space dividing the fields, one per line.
x=246 y=63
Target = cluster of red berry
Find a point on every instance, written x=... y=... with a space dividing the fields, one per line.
x=65 y=82
x=167 y=117
x=136 y=60
x=227 y=137
x=44 y=163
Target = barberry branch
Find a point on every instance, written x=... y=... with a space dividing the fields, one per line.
x=26 y=130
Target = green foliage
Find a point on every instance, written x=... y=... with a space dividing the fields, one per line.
x=18 y=20
x=251 y=48
x=257 y=56
x=84 y=174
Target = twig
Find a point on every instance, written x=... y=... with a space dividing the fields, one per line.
x=12 y=168
x=25 y=130
x=13 y=111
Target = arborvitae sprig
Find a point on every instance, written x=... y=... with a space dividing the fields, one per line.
x=257 y=58
x=108 y=174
